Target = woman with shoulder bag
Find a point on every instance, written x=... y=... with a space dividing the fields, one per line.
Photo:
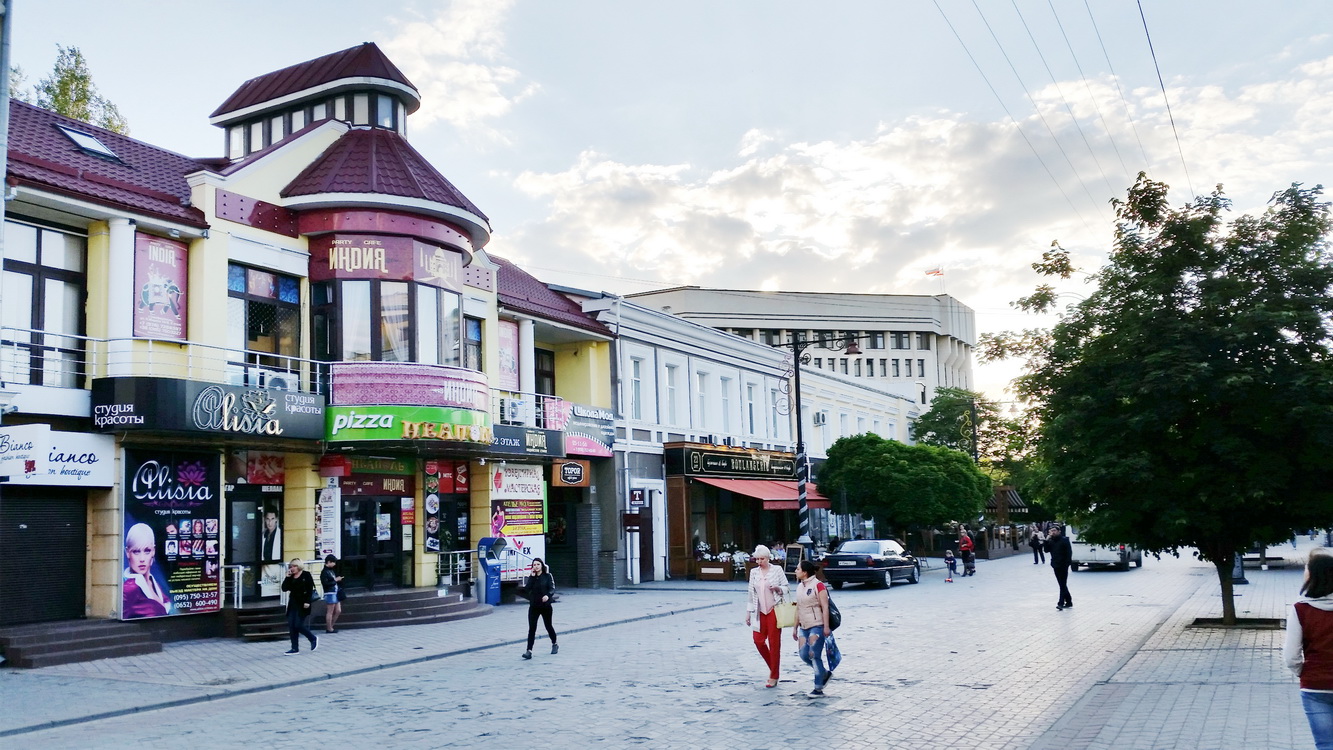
x=812 y=621
x=540 y=588
x=768 y=591
x=300 y=588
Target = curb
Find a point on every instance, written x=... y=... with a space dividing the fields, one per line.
x=330 y=676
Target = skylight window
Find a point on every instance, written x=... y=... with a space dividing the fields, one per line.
x=88 y=143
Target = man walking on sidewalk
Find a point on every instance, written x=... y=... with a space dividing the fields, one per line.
x=1061 y=554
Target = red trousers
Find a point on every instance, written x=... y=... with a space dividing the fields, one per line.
x=767 y=641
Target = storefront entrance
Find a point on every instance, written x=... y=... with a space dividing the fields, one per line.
x=43 y=540
x=372 y=543
x=255 y=521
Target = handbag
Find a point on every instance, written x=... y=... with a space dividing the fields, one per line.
x=785 y=613
x=834 y=616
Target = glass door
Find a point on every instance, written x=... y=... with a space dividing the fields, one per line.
x=372 y=542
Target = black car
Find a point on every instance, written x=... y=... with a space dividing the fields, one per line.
x=881 y=561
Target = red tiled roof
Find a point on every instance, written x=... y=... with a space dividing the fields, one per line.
x=373 y=160
x=362 y=61
x=146 y=179
x=521 y=292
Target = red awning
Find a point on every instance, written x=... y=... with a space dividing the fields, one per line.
x=777 y=494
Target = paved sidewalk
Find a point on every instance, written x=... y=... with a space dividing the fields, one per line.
x=926 y=669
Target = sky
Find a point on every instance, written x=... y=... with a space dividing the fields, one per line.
x=840 y=147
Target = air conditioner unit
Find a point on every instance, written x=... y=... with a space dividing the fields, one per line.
x=820 y=418
x=275 y=380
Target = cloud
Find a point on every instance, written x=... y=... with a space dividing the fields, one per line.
x=873 y=213
x=455 y=57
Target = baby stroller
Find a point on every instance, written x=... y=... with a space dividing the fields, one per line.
x=969 y=562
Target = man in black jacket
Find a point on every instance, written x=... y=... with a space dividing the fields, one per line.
x=1061 y=554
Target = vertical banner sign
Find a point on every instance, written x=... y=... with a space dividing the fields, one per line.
x=507 y=344
x=161 y=279
x=171 y=523
x=328 y=525
x=518 y=510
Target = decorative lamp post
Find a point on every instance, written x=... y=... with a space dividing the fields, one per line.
x=798 y=344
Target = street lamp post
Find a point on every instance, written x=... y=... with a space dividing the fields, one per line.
x=798 y=344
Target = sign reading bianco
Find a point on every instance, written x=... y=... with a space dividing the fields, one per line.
x=358 y=423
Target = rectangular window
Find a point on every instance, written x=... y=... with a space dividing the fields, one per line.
x=395 y=322
x=842 y=425
x=877 y=340
x=921 y=368
x=726 y=404
x=817 y=362
x=361 y=109
x=857 y=368
x=773 y=413
x=671 y=394
x=263 y=317
x=472 y=344
x=402 y=119
x=901 y=340
x=298 y=120
x=636 y=388
x=883 y=368
x=875 y=428
x=896 y=373
x=701 y=392
x=319 y=112
x=276 y=129
x=543 y=364
x=428 y=325
x=256 y=137
x=355 y=317
x=235 y=142
x=860 y=425
x=384 y=111
x=844 y=365
x=870 y=368
x=750 y=409
x=923 y=341
x=340 y=108
x=745 y=333
x=43 y=290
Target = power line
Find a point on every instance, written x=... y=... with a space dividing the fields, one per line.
x=1088 y=86
x=1063 y=98
x=1019 y=127
x=1170 y=116
x=1037 y=109
x=1129 y=115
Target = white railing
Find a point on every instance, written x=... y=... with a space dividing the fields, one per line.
x=32 y=357
x=456 y=567
x=529 y=409
x=233 y=585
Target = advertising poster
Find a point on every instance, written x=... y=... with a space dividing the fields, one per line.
x=444 y=482
x=75 y=459
x=161 y=275
x=328 y=527
x=518 y=512
x=508 y=348
x=171 y=524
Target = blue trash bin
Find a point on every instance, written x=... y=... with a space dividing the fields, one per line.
x=488 y=562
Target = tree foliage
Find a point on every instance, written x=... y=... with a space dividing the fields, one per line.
x=1188 y=402
x=70 y=91
x=903 y=485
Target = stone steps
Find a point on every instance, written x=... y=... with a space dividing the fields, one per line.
x=49 y=644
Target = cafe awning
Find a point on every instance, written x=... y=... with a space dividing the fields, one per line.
x=777 y=494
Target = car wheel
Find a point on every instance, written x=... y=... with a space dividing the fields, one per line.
x=1139 y=562
x=888 y=579
x=837 y=585
x=1124 y=564
x=915 y=575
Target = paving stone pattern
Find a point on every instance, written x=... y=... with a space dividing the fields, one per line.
x=984 y=662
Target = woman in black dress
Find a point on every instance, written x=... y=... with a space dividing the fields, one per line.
x=540 y=588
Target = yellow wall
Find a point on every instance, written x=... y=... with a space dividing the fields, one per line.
x=583 y=372
x=105 y=560
x=99 y=264
x=300 y=489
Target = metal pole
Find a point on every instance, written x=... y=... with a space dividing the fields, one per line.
x=973 y=404
x=802 y=464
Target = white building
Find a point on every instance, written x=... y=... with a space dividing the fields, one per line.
x=912 y=345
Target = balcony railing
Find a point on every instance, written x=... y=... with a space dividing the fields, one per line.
x=529 y=409
x=31 y=357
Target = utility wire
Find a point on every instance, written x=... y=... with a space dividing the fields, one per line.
x=1019 y=127
x=1091 y=97
x=1129 y=115
x=1170 y=116
x=1068 y=108
x=1037 y=108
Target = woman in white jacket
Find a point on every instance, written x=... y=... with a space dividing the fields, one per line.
x=768 y=587
x=1308 y=650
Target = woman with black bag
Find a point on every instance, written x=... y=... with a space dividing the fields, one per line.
x=540 y=591
x=300 y=588
x=813 y=624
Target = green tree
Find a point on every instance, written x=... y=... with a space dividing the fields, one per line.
x=1188 y=401
x=903 y=485
x=70 y=91
x=18 y=85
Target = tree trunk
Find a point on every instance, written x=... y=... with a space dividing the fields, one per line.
x=1225 y=564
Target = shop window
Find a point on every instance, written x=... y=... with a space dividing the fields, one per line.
x=472 y=344
x=44 y=289
x=543 y=362
x=263 y=316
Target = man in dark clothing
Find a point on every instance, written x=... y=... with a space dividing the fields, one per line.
x=1037 y=545
x=1061 y=554
x=300 y=588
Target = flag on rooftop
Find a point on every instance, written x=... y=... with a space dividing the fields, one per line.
x=936 y=271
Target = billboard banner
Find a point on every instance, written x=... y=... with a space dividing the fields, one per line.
x=161 y=279
x=424 y=423
x=518 y=511
x=508 y=347
x=171 y=525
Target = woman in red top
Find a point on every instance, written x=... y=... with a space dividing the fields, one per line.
x=1309 y=647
